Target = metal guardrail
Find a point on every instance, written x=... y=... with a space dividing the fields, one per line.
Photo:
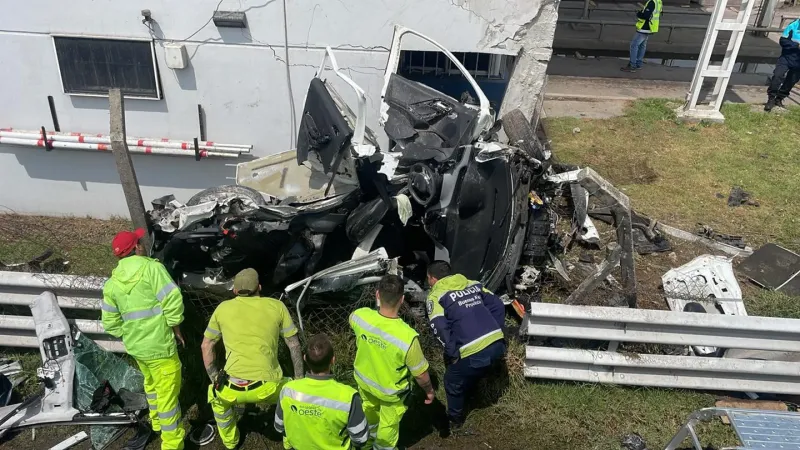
x=671 y=26
x=669 y=328
x=73 y=292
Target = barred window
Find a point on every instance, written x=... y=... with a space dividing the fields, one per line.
x=93 y=66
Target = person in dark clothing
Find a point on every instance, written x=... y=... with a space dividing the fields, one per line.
x=787 y=70
x=469 y=321
x=646 y=24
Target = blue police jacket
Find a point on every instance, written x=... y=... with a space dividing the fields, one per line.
x=790 y=45
x=464 y=316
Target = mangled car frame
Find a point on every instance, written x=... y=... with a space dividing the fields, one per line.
x=446 y=188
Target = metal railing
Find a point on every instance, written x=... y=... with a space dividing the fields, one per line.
x=588 y=10
x=670 y=26
x=73 y=293
x=615 y=325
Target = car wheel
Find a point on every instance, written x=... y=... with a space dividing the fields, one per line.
x=521 y=134
x=214 y=193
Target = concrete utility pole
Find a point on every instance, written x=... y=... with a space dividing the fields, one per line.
x=127 y=175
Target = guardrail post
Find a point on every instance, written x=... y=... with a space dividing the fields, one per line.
x=127 y=174
x=622 y=220
x=619 y=203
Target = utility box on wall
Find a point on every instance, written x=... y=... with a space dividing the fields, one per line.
x=176 y=55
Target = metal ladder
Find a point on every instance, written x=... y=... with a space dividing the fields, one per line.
x=704 y=69
x=772 y=430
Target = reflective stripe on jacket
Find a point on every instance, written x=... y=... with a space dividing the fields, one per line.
x=465 y=317
x=141 y=304
x=321 y=413
x=382 y=346
x=649 y=17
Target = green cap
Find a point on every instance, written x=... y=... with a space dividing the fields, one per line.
x=246 y=282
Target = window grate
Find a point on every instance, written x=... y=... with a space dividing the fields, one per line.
x=93 y=66
x=479 y=65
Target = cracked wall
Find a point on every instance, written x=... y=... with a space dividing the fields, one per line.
x=237 y=75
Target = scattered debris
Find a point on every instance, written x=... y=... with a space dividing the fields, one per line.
x=579 y=56
x=739 y=197
x=13 y=371
x=603 y=270
x=586 y=257
x=71 y=441
x=576 y=130
x=202 y=435
x=775 y=268
x=727 y=239
x=39 y=263
x=705 y=285
x=6 y=389
x=647 y=239
x=687 y=236
x=55 y=406
x=633 y=441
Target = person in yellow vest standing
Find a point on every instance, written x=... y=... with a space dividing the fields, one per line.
x=388 y=354
x=143 y=306
x=647 y=22
x=249 y=326
x=317 y=412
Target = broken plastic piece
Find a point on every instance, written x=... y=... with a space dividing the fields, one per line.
x=70 y=441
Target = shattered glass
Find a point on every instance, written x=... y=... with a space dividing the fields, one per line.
x=93 y=365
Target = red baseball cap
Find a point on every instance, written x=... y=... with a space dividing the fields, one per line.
x=125 y=241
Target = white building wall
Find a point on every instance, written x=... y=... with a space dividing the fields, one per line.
x=237 y=75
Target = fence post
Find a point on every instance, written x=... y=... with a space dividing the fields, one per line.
x=127 y=174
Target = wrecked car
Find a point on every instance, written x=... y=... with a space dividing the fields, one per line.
x=446 y=188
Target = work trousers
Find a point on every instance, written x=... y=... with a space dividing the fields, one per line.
x=783 y=80
x=460 y=376
x=383 y=419
x=228 y=406
x=638 y=47
x=162 y=384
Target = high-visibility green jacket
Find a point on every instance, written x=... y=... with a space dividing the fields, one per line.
x=382 y=360
x=649 y=17
x=141 y=304
x=317 y=412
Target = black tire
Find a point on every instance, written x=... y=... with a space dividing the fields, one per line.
x=209 y=194
x=521 y=134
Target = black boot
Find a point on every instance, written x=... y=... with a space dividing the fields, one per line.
x=457 y=429
x=779 y=103
x=770 y=104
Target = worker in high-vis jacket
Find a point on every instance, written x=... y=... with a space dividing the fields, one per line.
x=317 y=412
x=249 y=327
x=388 y=355
x=143 y=306
x=647 y=21
x=468 y=320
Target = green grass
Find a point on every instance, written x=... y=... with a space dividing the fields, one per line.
x=671 y=171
